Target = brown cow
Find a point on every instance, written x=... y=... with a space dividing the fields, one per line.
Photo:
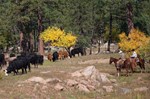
x=65 y=54
x=62 y=54
x=50 y=57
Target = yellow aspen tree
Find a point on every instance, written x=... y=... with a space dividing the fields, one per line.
x=58 y=37
x=135 y=40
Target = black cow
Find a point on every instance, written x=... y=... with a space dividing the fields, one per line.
x=2 y=60
x=78 y=50
x=36 y=59
x=17 y=64
x=26 y=61
x=55 y=56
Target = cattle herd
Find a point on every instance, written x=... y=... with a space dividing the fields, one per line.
x=62 y=54
x=23 y=61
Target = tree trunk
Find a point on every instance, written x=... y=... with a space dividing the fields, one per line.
x=41 y=44
x=90 y=50
x=31 y=42
x=99 y=45
x=110 y=32
x=129 y=17
x=21 y=38
x=90 y=53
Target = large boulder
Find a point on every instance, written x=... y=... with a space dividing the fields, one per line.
x=92 y=73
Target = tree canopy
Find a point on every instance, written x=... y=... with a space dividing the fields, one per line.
x=135 y=40
x=100 y=20
x=58 y=37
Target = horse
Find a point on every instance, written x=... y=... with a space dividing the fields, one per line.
x=121 y=64
x=141 y=62
x=113 y=60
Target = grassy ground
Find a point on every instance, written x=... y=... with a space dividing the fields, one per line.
x=10 y=88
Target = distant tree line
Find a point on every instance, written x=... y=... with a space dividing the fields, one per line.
x=22 y=21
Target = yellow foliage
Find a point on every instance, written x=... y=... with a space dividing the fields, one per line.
x=135 y=40
x=58 y=37
x=145 y=50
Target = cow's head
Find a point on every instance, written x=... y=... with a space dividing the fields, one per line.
x=8 y=70
x=6 y=74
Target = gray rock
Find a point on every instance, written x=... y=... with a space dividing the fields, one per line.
x=141 y=89
x=104 y=78
x=108 y=88
x=125 y=90
x=87 y=72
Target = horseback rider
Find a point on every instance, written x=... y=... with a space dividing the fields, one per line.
x=134 y=57
x=134 y=54
x=122 y=57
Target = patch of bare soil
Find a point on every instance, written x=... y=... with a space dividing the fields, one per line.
x=95 y=61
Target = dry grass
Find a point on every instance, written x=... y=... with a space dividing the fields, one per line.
x=11 y=89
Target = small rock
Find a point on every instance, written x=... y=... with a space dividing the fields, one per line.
x=115 y=85
x=83 y=88
x=139 y=78
x=90 y=87
x=84 y=82
x=101 y=91
x=45 y=72
x=125 y=90
x=37 y=80
x=113 y=80
x=36 y=87
x=19 y=85
x=76 y=74
x=71 y=83
x=53 y=80
x=141 y=89
x=2 y=91
x=59 y=87
x=108 y=88
x=44 y=87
